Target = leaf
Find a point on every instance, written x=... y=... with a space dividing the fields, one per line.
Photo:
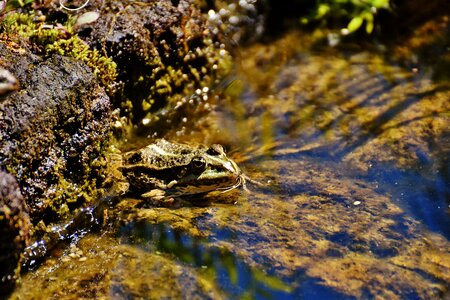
x=369 y=22
x=380 y=3
x=322 y=10
x=369 y=27
x=354 y=24
x=87 y=17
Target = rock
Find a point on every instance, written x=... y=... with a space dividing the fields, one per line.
x=52 y=131
x=8 y=82
x=164 y=51
x=14 y=230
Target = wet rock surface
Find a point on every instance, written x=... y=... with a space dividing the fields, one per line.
x=52 y=131
x=121 y=271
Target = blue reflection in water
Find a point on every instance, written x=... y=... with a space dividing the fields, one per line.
x=230 y=273
x=422 y=193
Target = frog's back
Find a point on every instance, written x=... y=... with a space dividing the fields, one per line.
x=161 y=155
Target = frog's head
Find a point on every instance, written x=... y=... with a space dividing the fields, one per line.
x=209 y=170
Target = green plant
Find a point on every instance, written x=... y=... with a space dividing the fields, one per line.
x=358 y=11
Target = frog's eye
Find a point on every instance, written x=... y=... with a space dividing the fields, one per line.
x=198 y=163
x=215 y=150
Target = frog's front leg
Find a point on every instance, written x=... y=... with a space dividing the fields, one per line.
x=160 y=185
x=169 y=185
x=158 y=197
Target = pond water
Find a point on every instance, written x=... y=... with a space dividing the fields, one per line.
x=349 y=154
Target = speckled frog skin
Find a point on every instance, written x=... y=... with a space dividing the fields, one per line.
x=167 y=170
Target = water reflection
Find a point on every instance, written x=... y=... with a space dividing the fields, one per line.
x=230 y=273
x=423 y=193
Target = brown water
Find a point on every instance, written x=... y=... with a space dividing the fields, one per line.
x=351 y=155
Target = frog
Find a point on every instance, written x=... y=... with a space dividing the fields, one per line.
x=163 y=171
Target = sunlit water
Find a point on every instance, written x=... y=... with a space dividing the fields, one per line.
x=351 y=158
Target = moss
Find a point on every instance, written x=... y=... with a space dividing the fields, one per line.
x=169 y=82
x=103 y=67
x=64 y=191
x=59 y=39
